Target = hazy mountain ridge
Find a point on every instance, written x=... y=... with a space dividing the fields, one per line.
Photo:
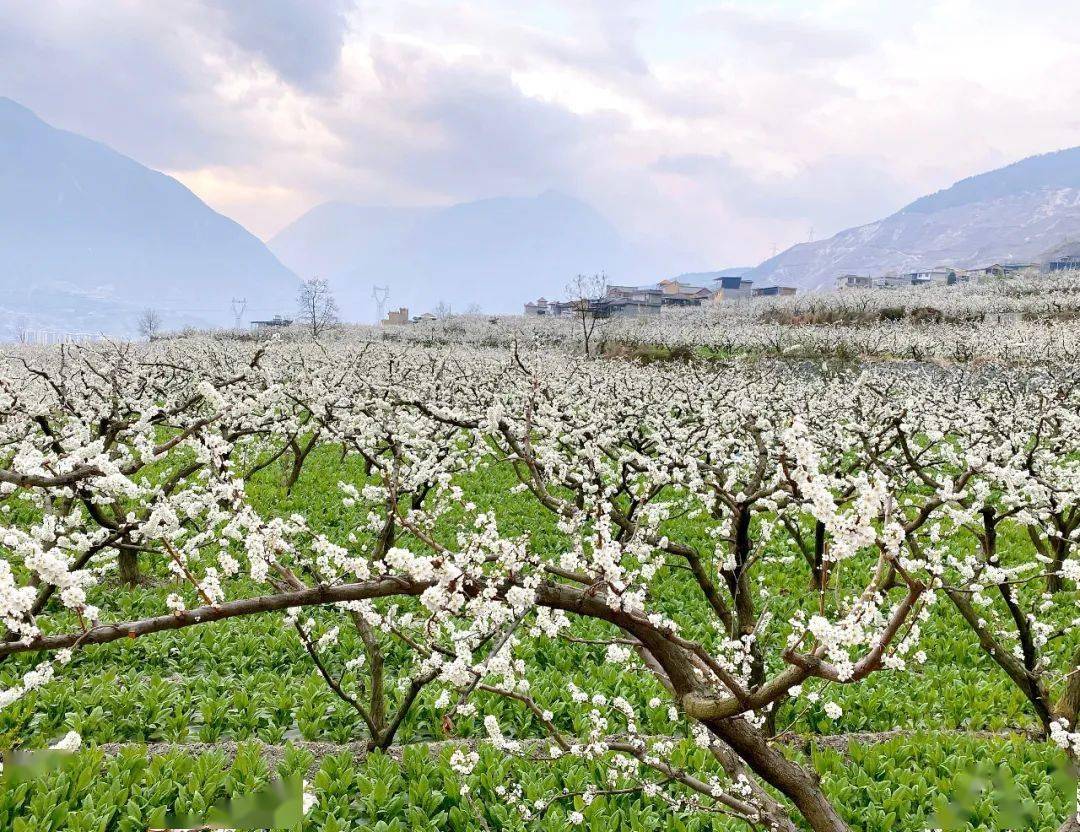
x=1014 y=213
x=330 y=239
x=89 y=237
x=496 y=253
x=78 y=219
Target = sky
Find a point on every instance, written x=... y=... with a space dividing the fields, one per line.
x=723 y=129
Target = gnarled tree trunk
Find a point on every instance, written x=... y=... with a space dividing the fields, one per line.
x=801 y=787
x=127 y=563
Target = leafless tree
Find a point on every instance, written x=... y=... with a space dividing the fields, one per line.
x=317 y=311
x=442 y=310
x=149 y=324
x=473 y=309
x=584 y=292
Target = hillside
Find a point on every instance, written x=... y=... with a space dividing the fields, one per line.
x=1015 y=213
x=89 y=236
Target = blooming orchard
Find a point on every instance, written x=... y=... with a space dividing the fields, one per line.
x=1028 y=319
x=893 y=489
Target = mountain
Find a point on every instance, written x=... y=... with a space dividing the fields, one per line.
x=496 y=253
x=1013 y=214
x=88 y=237
x=332 y=239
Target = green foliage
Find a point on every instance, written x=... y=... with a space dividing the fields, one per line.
x=249 y=679
x=910 y=782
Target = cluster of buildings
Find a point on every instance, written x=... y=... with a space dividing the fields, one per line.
x=946 y=276
x=643 y=301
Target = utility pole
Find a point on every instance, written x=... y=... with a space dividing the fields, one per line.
x=811 y=239
x=238 y=307
x=380 y=294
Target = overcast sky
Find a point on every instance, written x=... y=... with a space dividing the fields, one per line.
x=718 y=128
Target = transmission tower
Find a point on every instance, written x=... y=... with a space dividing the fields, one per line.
x=238 y=307
x=380 y=294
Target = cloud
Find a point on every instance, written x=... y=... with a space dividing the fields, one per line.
x=715 y=127
x=832 y=192
x=772 y=35
x=129 y=80
x=300 y=39
x=471 y=130
x=173 y=90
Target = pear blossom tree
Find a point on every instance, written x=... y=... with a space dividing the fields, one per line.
x=674 y=492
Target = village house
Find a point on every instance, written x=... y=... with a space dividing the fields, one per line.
x=938 y=276
x=632 y=302
x=277 y=322
x=1006 y=269
x=854 y=281
x=538 y=307
x=677 y=293
x=774 y=292
x=637 y=293
x=1066 y=263
x=731 y=287
x=885 y=281
x=397 y=317
x=1062 y=258
x=544 y=308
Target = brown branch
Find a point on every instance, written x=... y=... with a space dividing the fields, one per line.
x=105 y=633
